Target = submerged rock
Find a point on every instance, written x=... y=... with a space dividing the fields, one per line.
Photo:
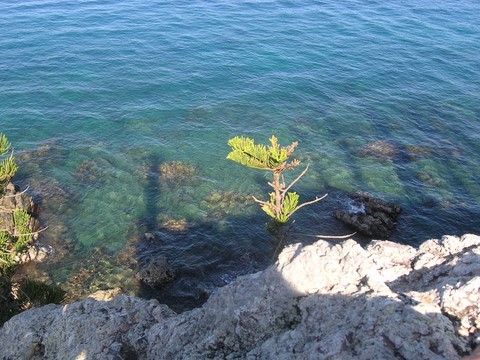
x=370 y=216
x=46 y=151
x=429 y=179
x=36 y=252
x=176 y=173
x=386 y=150
x=105 y=295
x=220 y=203
x=321 y=301
x=99 y=271
x=179 y=225
x=416 y=152
x=156 y=272
x=51 y=197
x=91 y=172
x=381 y=148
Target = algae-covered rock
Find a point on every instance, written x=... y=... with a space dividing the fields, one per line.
x=174 y=173
x=46 y=151
x=381 y=148
x=220 y=203
x=99 y=271
x=157 y=272
x=177 y=225
x=91 y=172
x=105 y=295
x=387 y=150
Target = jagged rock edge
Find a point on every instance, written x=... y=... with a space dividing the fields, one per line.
x=317 y=301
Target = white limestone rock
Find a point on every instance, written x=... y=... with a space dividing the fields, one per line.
x=321 y=301
x=83 y=330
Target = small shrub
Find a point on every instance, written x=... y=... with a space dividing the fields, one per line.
x=8 y=168
x=36 y=293
x=7 y=262
x=17 y=235
x=21 y=222
x=282 y=203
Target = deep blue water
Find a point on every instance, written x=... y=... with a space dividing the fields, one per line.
x=96 y=95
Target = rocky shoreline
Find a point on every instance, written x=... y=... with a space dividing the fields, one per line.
x=322 y=301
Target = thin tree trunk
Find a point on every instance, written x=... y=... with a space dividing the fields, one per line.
x=278 y=194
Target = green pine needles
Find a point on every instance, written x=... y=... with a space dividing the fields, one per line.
x=14 y=239
x=282 y=203
x=21 y=222
x=257 y=156
x=8 y=168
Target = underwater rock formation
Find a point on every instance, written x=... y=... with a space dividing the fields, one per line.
x=91 y=172
x=371 y=216
x=156 y=272
x=175 y=173
x=381 y=148
x=389 y=151
x=220 y=203
x=179 y=225
x=322 y=301
x=100 y=271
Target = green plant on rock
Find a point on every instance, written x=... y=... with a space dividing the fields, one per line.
x=15 y=238
x=16 y=241
x=282 y=203
x=36 y=293
x=21 y=222
x=7 y=261
x=8 y=168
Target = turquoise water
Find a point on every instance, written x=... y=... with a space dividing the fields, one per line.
x=96 y=95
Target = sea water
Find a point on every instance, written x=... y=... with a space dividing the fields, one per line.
x=96 y=95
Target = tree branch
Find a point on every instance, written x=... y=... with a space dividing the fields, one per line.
x=14 y=195
x=294 y=181
x=326 y=236
x=259 y=201
x=336 y=237
x=308 y=203
x=26 y=234
x=33 y=233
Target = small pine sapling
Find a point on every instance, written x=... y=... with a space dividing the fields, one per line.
x=8 y=168
x=282 y=203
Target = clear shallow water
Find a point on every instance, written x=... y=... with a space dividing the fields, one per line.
x=96 y=95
